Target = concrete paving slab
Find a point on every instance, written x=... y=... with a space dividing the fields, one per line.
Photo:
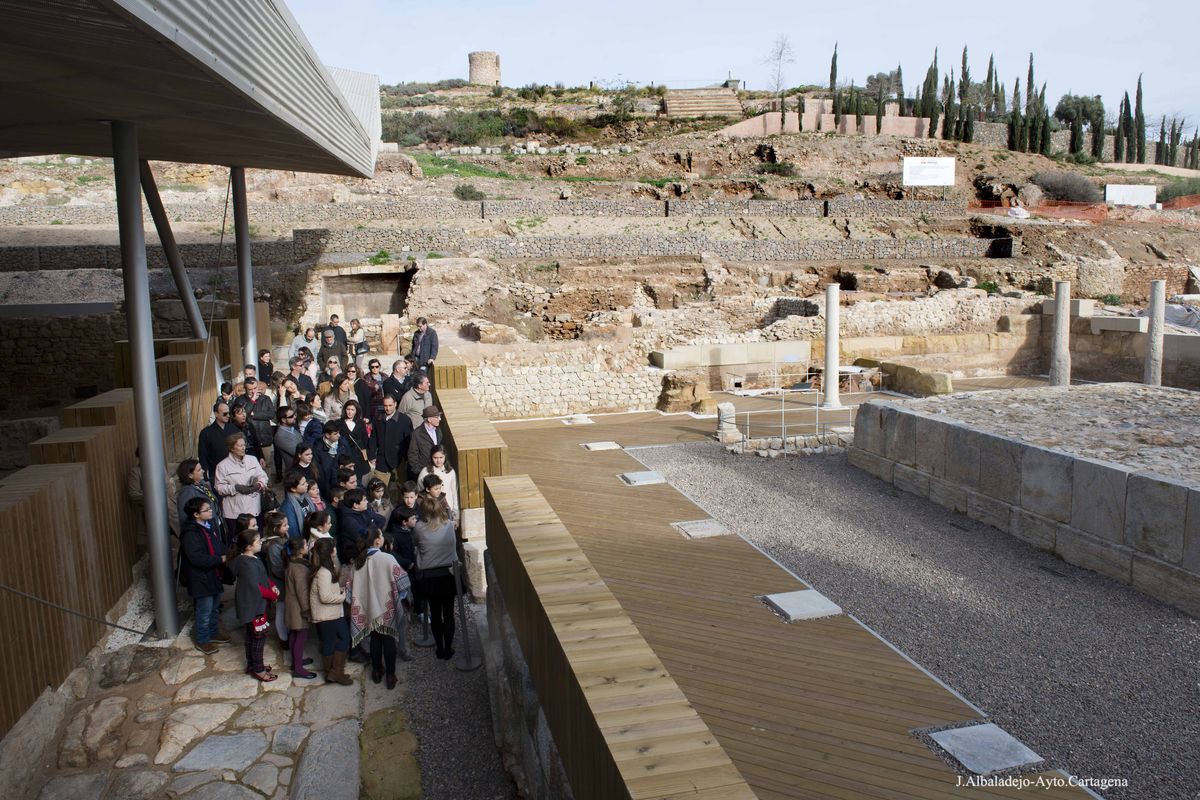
x=701 y=528
x=600 y=446
x=647 y=478
x=801 y=605
x=986 y=748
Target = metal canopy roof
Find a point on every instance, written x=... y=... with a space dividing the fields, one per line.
x=230 y=82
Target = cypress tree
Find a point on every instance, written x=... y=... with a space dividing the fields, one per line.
x=833 y=69
x=1046 y=143
x=1160 y=155
x=1139 y=125
x=1076 y=146
x=969 y=126
x=1029 y=87
x=964 y=81
x=1130 y=137
x=1002 y=100
x=1097 y=123
x=899 y=91
x=1173 y=149
x=1119 y=136
x=987 y=96
x=950 y=126
x=1014 y=120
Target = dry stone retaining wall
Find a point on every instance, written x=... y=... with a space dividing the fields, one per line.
x=380 y=209
x=105 y=256
x=558 y=387
x=1140 y=528
x=311 y=243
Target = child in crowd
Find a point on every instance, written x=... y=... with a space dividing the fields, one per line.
x=296 y=599
x=377 y=501
x=252 y=592
x=314 y=496
x=440 y=467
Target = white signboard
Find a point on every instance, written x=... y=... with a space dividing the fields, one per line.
x=1124 y=194
x=928 y=171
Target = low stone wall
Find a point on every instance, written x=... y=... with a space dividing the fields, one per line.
x=558 y=387
x=1129 y=525
x=522 y=734
x=312 y=242
x=582 y=207
x=102 y=256
x=1114 y=355
x=875 y=207
x=372 y=208
x=57 y=357
x=745 y=208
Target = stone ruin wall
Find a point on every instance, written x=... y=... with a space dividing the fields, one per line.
x=381 y=209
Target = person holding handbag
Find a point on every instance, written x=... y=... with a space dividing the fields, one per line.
x=252 y=590
x=355 y=438
x=357 y=342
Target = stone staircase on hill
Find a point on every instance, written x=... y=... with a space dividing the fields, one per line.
x=718 y=102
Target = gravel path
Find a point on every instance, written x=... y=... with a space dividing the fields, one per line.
x=450 y=715
x=1100 y=680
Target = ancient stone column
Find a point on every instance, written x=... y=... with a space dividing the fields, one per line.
x=832 y=347
x=1060 y=345
x=1152 y=376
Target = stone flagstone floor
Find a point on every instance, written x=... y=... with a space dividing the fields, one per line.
x=168 y=721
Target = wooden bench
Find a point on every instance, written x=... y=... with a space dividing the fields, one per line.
x=473 y=446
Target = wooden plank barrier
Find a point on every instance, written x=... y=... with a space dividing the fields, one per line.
x=123 y=360
x=229 y=333
x=623 y=727
x=45 y=525
x=449 y=370
x=113 y=528
x=473 y=447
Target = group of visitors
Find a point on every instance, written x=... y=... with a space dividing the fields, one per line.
x=354 y=528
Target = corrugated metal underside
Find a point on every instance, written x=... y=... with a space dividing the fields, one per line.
x=213 y=82
x=361 y=90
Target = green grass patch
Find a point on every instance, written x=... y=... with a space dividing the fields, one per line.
x=435 y=167
x=432 y=254
x=988 y=286
x=551 y=267
x=87 y=180
x=382 y=257
x=56 y=222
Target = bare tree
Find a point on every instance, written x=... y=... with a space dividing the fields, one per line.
x=781 y=53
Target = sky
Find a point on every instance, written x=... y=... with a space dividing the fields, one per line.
x=1085 y=48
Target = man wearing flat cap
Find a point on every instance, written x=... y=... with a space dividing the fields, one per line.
x=424 y=438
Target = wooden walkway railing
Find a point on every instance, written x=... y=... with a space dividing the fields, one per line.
x=449 y=370
x=473 y=446
x=623 y=727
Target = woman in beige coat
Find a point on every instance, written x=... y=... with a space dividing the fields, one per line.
x=325 y=599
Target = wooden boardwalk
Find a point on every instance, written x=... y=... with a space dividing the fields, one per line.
x=816 y=709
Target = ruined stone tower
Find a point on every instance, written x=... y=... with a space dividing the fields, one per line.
x=485 y=68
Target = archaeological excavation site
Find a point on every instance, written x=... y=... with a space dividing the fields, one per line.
x=806 y=443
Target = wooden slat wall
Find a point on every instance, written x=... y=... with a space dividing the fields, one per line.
x=474 y=448
x=113 y=529
x=262 y=323
x=449 y=371
x=622 y=726
x=44 y=520
x=229 y=333
x=123 y=362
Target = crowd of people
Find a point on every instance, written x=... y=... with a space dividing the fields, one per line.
x=324 y=496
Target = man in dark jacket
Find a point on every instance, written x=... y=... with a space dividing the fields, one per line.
x=303 y=382
x=325 y=457
x=211 y=447
x=389 y=443
x=202 y=558
x=423 y=440
x=397 y=383
x=331 y=348
x=355 y=520
x=425 y=344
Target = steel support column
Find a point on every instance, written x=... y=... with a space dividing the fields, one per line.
x=241 y=233
x=167 y=237
x=145 y=378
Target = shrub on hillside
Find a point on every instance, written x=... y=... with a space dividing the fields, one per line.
x=465 y=191
x=1068 y=186
x=781 y=168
